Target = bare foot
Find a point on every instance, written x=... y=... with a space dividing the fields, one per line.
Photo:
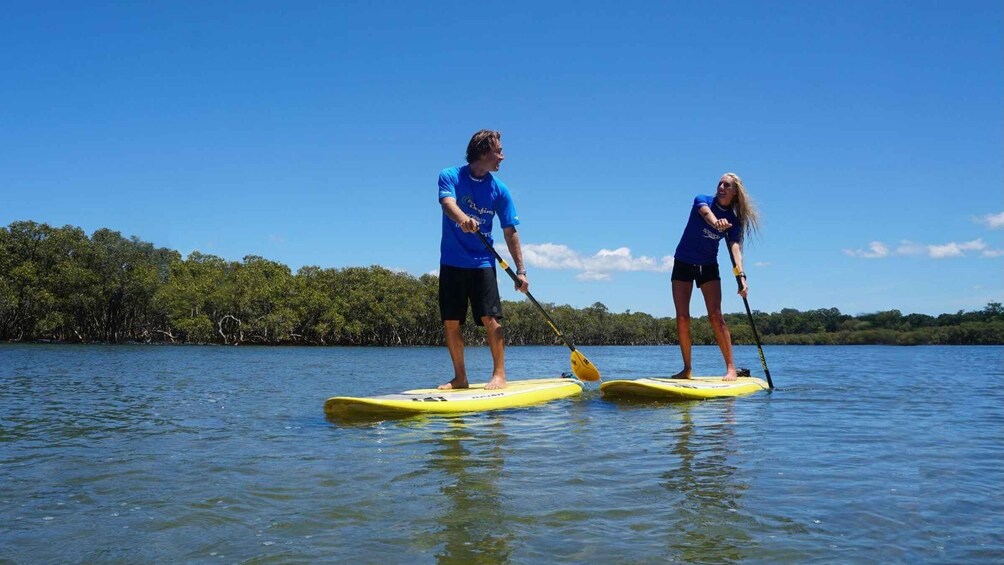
x=456 y=384
x=730 y=375
x=684 y=374
x=497 y=382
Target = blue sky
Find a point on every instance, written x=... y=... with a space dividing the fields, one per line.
x=312 y=133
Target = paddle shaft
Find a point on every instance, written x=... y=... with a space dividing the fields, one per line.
x=749 y=313
x=515 y=279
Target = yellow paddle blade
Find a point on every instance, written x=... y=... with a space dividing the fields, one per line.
x=583 y=368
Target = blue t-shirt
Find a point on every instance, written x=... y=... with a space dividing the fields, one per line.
x=699 y=243
x=482 y=199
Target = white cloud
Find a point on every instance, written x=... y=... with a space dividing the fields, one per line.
x=594 y=268
x=278 y=239
x=910 y=248
x=551 y=256
x=876 y=250
x=879 y=250
x=992 y=253
x=620 y=259
x=761 y=264
x=992 y=221
x=955 y=249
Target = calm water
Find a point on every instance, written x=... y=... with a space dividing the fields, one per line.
x=142 y=454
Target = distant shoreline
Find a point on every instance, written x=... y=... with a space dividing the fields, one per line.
x=59 y=285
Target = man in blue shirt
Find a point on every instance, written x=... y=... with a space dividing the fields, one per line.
x=471 y=197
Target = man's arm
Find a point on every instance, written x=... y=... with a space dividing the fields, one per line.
x=467 y=223
x=516 y=251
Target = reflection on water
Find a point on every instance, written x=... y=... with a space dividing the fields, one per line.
x=707 y=481
x=475 y=527
x=189 y=454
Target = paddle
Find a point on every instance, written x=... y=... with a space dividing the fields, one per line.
x=580 y=365
x=756 y=337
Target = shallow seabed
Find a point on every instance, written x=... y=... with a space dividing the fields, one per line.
x=156 y=454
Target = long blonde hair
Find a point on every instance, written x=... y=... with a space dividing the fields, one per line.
x=744 y=208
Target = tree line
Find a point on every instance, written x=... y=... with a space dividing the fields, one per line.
x=58 y=284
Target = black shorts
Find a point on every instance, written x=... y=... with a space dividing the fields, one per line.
x=459 y=286
x=696 y=273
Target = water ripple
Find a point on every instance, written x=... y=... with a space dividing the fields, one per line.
x=159 y=454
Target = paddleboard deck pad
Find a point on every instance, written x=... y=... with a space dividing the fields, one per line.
x=435 y=401
x=696 y=388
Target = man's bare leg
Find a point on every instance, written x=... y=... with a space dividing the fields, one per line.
x=455 y=344
x=496 y=342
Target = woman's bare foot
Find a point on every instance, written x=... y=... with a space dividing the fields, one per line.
x=730 y=375
x=684 y=374
x=456 y=384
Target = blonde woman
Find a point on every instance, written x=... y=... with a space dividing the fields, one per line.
x=729 y=212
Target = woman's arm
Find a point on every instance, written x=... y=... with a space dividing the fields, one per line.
x=708 y=216
x=737 y=254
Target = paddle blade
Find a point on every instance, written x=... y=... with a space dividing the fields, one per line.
x=583 y=369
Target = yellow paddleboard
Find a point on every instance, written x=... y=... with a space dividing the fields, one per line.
x=473 y=399
x=697 y=388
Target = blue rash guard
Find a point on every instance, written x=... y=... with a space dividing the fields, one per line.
x=699 y=243
x=482 y=199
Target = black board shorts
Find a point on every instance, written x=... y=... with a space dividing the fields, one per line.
x=695 y=273
x=458 y=286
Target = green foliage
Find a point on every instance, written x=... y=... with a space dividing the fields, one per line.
x=59 y=284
